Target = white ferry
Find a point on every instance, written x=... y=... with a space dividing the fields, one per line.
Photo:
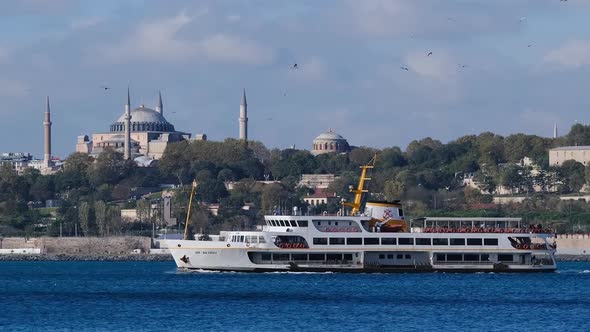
x=379 y=239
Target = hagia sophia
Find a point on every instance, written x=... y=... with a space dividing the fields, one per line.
x=150 y=133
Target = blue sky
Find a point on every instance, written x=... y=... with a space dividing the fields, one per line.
x=202 y=53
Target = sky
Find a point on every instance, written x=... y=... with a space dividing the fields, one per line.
x=506 y=66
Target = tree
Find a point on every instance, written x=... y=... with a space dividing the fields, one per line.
x=101 y=216
x=85 y=216
x=573 y=175
x=110 y=168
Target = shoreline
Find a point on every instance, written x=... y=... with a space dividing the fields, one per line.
x=100 y=258
x=168 y=258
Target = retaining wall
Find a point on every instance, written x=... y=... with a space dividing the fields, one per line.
x=80 y=245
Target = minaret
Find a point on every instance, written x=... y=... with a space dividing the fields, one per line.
x=47 y=126
x=555 y=130
x=127 y=147
x=160 y=106
x=244 y=118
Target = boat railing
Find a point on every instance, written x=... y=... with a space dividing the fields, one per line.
x=522 y=230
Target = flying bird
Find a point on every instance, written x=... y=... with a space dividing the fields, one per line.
x=295 y=66
x=404 y=68
x=522 y=19
x=429 y=54
x=462 y=66
x=105 y=87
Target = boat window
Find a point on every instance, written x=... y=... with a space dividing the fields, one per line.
x=261 y=239
x=320 y=240
x=440 y=257
x=400 y=256
x=423 y=242
x=329 y=223
x=408 y=256
x=354 y=240
x=302 y=223
x=454 y=257
x=440 y=242
x=405 y=241
x=485 y=257
x=389 y=256
x=334 y=257
x=401 y=212
x=299 y=257
x=241 y=238
x=474 y=242
x=272 y=222
x=457 y=242
x=317 y=257
x=371 y=240
x=253 y=239
x=280 y=257
x=265 y=256
x=293 y=223
x=490 y=242
x=471 y=257
x=336 y=240
x=283 y=223
x=505 y=258
x=388 y=240
x=335 y=223
x=381 y=256
x=347 y=257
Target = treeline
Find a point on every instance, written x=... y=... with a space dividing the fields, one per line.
x=428 y=174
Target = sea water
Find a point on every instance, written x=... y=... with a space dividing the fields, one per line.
x=155 y=296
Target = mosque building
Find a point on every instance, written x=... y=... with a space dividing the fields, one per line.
x=148 y=135
x=329 y=142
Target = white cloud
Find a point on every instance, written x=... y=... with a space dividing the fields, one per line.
x=13 y=88
x=574 y=53
x=161 y=40
x=226 y=48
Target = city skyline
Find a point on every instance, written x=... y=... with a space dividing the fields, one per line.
x=380 y=73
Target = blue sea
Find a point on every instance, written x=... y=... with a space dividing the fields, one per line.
x=154 y=296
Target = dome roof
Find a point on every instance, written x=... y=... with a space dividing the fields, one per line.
x=144 y=114
x=330 y=135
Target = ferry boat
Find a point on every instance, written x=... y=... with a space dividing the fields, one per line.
x=378 y=239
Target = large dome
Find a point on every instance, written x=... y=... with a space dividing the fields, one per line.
x=144 y=114
x=143 y=119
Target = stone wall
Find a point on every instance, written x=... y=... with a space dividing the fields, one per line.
x=81 y=245
x=573 y=244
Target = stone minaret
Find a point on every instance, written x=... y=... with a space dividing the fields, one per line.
x=244 y=118
x=555 y=130
x=47 y=126
x=127 y=153
x=160 y=106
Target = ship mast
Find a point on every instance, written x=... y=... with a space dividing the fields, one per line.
x=358 y=192
x=188 y=212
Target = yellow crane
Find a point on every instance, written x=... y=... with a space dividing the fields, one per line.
x=188 y=212
x=358 y=192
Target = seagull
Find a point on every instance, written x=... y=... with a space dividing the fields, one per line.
x=529 y=45
x=522 y=19
x=104 y=87
x=295 y=66
x=404 y=68
x=429 y=54
x=462 y=66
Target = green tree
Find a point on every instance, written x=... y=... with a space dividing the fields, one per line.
x=85 y=215
x=573 y=175
x=101 y=216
